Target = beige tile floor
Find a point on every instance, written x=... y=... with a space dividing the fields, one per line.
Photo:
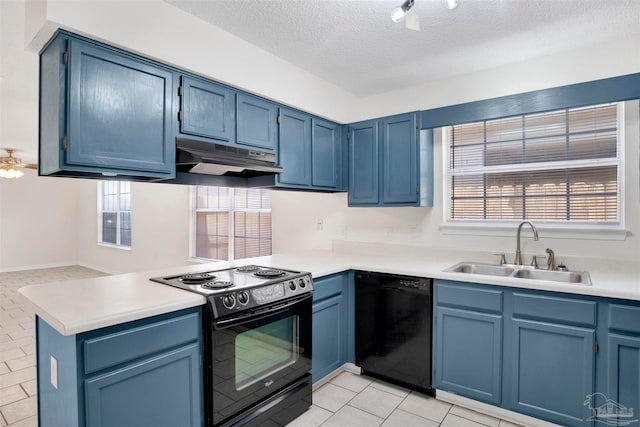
x=359 y=401
x=347 y=400
x=17 y=342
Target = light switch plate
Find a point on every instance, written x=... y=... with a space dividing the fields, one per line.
x=54 y=372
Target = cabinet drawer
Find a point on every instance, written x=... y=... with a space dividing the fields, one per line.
x=624 y=318
x=327 y=287
x=112 y=349
x=555 y=309
x=472 y=297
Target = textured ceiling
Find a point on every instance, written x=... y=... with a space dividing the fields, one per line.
x=355 y=45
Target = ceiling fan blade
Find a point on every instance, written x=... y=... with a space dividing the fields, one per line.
x=412 y=21
x=29 y=166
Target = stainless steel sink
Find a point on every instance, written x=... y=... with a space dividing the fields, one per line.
x=580 y=277
x=521 y=272
x=485 y=269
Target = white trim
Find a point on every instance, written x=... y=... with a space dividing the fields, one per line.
x=558 y=229
x=114 y=246
x=347 y=367
x=494 y=411
x=506 y=229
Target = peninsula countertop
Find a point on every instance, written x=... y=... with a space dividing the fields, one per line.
x=77 y=306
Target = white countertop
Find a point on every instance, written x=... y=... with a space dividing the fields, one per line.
x=76 y=306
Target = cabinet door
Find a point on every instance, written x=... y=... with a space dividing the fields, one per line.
x=294 y=151
x=623 y=376
x=328 y=330
x=552 y=371
x=119 y=112
x=256 y=122
x=162 y=391
x=400 y=159
x=364 y=154
x=469 y=354
x=208 y=110
x=325 y=153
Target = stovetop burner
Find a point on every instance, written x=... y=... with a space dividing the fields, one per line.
x=194 y=279
x=220 y=284
x=269 y=273
x=247 y=269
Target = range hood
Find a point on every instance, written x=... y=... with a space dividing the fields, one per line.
x=215 y=159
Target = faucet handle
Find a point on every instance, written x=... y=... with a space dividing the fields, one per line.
x=534 y=260
x=503 y=259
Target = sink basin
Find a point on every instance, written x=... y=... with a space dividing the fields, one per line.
x=580 y=277
x=521 y=272
x=485 y=269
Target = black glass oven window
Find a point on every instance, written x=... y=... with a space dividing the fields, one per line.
x=264 y=350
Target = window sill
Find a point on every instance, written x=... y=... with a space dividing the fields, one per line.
x=580 y=232
x=203 y=260
x=111 y=245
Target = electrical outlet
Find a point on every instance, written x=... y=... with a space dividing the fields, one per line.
x=54 y=372
x=388 y=233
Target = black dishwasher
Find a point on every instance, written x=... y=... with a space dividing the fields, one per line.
x=393 y=328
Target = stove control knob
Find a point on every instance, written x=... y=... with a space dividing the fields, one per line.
x=228 y=301
x=301 y=283
x=243 y=297
x=292 y=285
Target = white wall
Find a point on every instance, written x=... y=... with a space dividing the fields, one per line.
x=38 y=222
x=160 y=216
x=595 y=62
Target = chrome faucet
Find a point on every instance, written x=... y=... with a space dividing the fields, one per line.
x=551 y=261
x=518 y=260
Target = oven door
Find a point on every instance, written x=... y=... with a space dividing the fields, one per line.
x=253 y=356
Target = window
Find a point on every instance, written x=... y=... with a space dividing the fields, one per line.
x=232 y=223
x=114 y=213
x=560 y=167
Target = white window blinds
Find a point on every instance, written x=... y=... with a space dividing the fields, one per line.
x=232 y=223
x=556 y=166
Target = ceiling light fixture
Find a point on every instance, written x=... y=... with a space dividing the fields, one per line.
x=10 y=172
x=452 y=4
x=398 y=13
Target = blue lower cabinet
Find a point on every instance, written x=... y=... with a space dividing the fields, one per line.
x=160 y=391
x=623 y=378
x=553 y=369
x=330 y=325
x=531 y=352
x=459 y=334
x=142 y=373
x=620 y=399
x=468 y=335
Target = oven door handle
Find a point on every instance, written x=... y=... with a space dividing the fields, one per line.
x=269 y=311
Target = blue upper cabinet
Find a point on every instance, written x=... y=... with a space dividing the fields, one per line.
x=257 y=124
x=325 y=154
x=309 y=152
x=384 y=162
x=294 y=152
x=364 y=163
x=400 y=159
x=207 y=110
x=103 y=111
